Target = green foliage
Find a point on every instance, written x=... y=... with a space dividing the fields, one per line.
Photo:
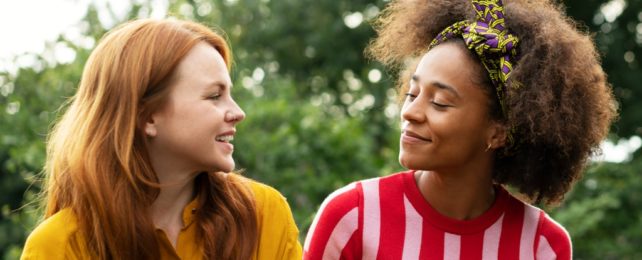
x=318 y=117
x=29 y=103
x=603 y=212
x=620 y=43
x=33 y=96
x=307 y=150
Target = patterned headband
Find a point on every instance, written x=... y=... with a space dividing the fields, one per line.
x=491 y=40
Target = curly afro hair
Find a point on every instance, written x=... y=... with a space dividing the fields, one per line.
x=563 y=107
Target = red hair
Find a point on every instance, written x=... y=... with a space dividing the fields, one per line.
x=97 y=161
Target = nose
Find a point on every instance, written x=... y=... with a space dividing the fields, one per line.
x=412 y=111
x=235 y=114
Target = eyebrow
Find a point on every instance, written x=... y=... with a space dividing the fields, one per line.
x=219 y=84
x=437 y=84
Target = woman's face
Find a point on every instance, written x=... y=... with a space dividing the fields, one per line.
x=193 y=130
x=445 y=121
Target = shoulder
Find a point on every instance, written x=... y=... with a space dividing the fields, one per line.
x=278 y=233
x=550 y=239
x=265 y=194
x=334 y=232
x=51 y=239
x=270 y=203
x=345 y=202
x=266 y=198
x=338 y=214
x=347 y=199
x=553 y=239
x=352 y=195
x=342 y=200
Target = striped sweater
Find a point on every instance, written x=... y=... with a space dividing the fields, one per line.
x=388 y=218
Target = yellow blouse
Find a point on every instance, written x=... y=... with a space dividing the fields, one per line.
x=278 y=238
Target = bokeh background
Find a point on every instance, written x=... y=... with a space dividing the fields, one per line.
x=319 y=114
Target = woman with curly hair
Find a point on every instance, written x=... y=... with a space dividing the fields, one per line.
x=140 y=165
x=499 y=97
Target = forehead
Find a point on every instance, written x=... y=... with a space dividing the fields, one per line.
x=450 y=58
x=449 y=64
x=202 y=66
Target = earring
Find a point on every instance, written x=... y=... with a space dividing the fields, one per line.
x=488 y=148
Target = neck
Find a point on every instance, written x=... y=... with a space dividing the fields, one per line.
x=459 y=195
x=176 y=191
x=171 y=200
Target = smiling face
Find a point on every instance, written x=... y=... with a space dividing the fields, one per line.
x=445 y=119
x=193 y=130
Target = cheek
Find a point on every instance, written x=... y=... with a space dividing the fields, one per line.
x=457 y=126
x=200 y=111
x=444 y=124
x=192 y=119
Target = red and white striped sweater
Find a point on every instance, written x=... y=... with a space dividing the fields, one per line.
x=387 y=218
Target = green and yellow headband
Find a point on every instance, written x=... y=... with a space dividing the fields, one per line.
x=491 y=40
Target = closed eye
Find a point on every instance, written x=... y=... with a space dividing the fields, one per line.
x=215 y=96
x=440 y=105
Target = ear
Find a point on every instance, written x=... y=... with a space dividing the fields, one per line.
x=497 y=135
x=148 y=125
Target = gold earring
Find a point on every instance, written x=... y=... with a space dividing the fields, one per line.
x=488 y=148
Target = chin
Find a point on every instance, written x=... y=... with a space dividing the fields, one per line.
x=403 y=160
x=411 y=162
x=222 y=166
x=227 y=168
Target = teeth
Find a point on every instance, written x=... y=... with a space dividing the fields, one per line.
x=225 y=138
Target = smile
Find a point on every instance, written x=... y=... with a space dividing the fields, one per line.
x=412 y=137
x=225 y=138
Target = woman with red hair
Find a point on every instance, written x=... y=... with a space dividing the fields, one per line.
x=140 y=164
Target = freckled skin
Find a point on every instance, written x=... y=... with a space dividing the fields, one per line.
x=199 y=108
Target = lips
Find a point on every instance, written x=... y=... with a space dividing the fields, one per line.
x=225 y=137
x=411 y=136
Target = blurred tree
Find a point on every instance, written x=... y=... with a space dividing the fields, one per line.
x=603 y=213
x=617 y=30
x=29 y=101
x=319 y=47
x=303 y=149
x=28 y=105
